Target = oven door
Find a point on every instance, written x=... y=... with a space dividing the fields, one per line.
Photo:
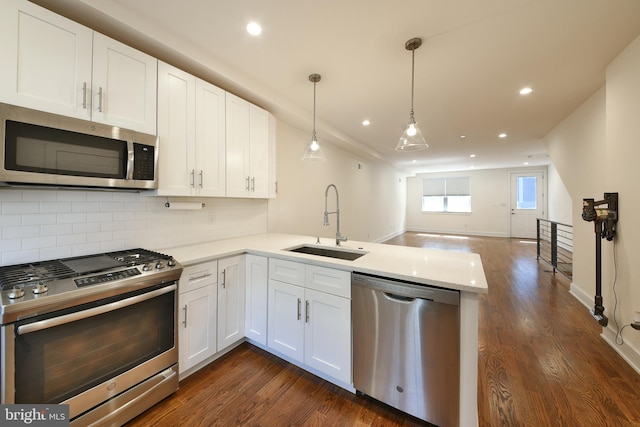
x=89 y=354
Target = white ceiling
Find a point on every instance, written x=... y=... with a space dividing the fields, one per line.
x=475 y=57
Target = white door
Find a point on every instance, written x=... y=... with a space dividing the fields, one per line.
x=197 y=325
x=328 y=334
x=527 y=203
x=231 y=293
x=256 y=293
x=46 y=60
x=286 y=321
x=124 y=86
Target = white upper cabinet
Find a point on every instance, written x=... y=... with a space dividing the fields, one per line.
x=191 y=127
x=250 y=150
x=53 y=64
x=46 y=60
x=124 y=86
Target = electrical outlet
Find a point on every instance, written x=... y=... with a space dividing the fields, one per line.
x=211 y=217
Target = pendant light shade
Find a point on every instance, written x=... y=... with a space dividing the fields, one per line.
x=412 y=139
x=314 y=151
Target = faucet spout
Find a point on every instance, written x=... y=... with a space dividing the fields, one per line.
x=339 y=237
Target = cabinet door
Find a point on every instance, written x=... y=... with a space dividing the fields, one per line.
x=197 y=326
x=124 y=85
x=286 y=321
x=46 y=60
x=176 y=131
x=256 y=298
x=238 y=135
x=210 y=167
x=259 y=152
x=328 y=334
x=231 y=300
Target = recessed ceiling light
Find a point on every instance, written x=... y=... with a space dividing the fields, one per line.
x=472 y=155
x=525 y=91
x=463 y=136
x=413 y=161
x=366 y=123
x=526 y=163
x=254 y=28
x=502 y=135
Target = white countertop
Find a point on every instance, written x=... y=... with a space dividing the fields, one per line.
x=448 y=269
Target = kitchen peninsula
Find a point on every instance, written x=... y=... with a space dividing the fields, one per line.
x=445 y=269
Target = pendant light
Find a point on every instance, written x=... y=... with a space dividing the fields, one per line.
x=314 y=151
x=412 y=139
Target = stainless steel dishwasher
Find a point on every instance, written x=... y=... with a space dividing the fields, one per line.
x=406 y=347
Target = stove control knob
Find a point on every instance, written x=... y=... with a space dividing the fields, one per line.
x=159 y=265
x=40 y=288
x=147 y=267
x=16 y=293
x=171 y=262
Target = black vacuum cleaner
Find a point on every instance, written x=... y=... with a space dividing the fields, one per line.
x=604 y=214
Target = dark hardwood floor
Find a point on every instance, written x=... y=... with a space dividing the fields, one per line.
x=541 y=363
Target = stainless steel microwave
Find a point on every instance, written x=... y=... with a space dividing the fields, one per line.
x=44 y=149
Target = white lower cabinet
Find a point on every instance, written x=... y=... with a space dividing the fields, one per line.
x=197 y=304
x=231 y=300
x=307 y=325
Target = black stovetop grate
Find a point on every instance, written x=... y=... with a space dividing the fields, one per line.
x=21 y=274
x=24 y=274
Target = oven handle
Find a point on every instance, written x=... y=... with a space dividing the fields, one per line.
x=72 y=317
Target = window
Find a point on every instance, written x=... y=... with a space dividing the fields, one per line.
x=446 y=194
x=526 y=192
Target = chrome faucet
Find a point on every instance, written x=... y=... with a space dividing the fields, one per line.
x=339 y=237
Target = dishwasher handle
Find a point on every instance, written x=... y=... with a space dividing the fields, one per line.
x=398 y=298
x=406 y=289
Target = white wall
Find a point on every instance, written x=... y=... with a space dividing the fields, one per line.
x=560 y=204
x=596 y=150
x=490 y=202
x=372 y=196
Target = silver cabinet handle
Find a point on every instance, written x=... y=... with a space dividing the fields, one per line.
x=306 y=311
x=200 y=178
x=202 y=276
x=185 y=316
x=247 y=183
x=100 y=99
x=253 y=183
x=84 y=95
x=224 y=277
x=193 y=177
x=299 y=307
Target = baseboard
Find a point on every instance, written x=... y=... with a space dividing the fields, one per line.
x=628 y=352
x=388 y=236
x=580 y=295
x=458 y=232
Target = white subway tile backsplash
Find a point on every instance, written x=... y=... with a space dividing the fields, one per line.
x=10 y=220
x=21 y=232
x=71 y=218
x=47 y=224
x=56 y=229
x=71 y=239
x=39 y=196
x=20 y=207
x=38 y=219
x=39 y=242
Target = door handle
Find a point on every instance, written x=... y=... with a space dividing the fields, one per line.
x=224 y=277
x=306 y=311
x=185 y=316
x=299 y=308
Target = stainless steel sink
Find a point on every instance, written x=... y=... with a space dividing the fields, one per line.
x=340 y=253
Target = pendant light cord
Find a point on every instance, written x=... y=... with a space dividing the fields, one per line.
x=413 y=55
x=314 y=108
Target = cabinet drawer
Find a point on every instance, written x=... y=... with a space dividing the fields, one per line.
x=197 y=276
x=336 y=282
x=286 y=271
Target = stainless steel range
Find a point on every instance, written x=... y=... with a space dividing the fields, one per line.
x=97 y=332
